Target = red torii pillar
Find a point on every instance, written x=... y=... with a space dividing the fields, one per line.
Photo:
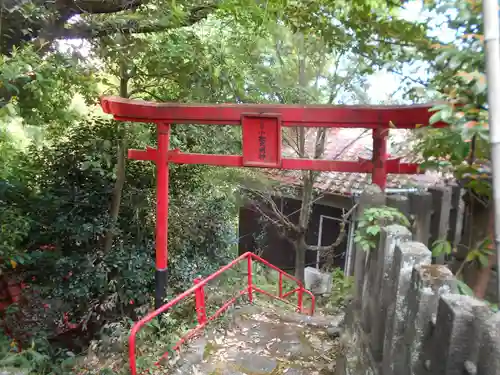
x=261 y=138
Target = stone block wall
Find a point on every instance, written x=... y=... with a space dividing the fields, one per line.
x=407 y=317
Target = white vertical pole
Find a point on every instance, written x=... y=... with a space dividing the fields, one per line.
x=491 y=36
x=350 y=256
x=320 y=234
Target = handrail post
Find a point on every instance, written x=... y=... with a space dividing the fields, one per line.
x=200 y=302
x=281 y=284
x=250 y=283
x=299 y=297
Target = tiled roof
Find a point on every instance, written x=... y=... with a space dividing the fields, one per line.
x=349 y=145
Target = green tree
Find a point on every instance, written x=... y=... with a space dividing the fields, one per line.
x=462 y=149
x=294 y=68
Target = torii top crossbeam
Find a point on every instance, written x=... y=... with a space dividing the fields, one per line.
x=369 y=117
x=261 y=138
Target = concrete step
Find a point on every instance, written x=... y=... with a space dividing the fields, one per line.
x=263 y=341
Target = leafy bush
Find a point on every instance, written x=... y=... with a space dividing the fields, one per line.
x=16 y=221
x=96 y=287
x=341 y=289
x=58 y=211
x=37 y=358
x=372 y=220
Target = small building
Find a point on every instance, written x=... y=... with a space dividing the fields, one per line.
x=336 y=195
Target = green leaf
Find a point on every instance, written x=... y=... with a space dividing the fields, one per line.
x=405 y=222
x=373 y=230
x=362 y=223
x=86 y=165
x=480 y=86
x=485 y=245
x=440 y=247
x=438 y=107
x=472 y=255
x=436 y=117
x=483 y=260
x=437 y=250
x=463 y=288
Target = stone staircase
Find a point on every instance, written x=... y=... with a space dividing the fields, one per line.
x=262 y=340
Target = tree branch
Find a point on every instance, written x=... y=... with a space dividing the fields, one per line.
x=98 y=6
x=330 y=185
x=335 y=244
x=83 y=30
x=278 y=53
x=291 y=143
x=279 y=220
x=418 y=81
x=144 y=91
x=335 y=90
x=52 y=22
x=320 y=143
x=340 y=237
x=275 y=211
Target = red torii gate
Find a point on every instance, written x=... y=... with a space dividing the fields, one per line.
x=261 y=138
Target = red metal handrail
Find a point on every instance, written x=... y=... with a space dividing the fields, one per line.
x=199 y=293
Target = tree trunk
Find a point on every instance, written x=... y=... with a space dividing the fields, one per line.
x=300 y=244
x=305 y=213
x=483 y=278
x=116 y=196
x=484 y=274
x=300 y=257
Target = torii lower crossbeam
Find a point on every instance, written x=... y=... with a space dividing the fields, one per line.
x=261 y=139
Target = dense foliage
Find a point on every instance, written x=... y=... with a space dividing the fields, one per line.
x=460 y=79
x=462 y=149
x=57 y=183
